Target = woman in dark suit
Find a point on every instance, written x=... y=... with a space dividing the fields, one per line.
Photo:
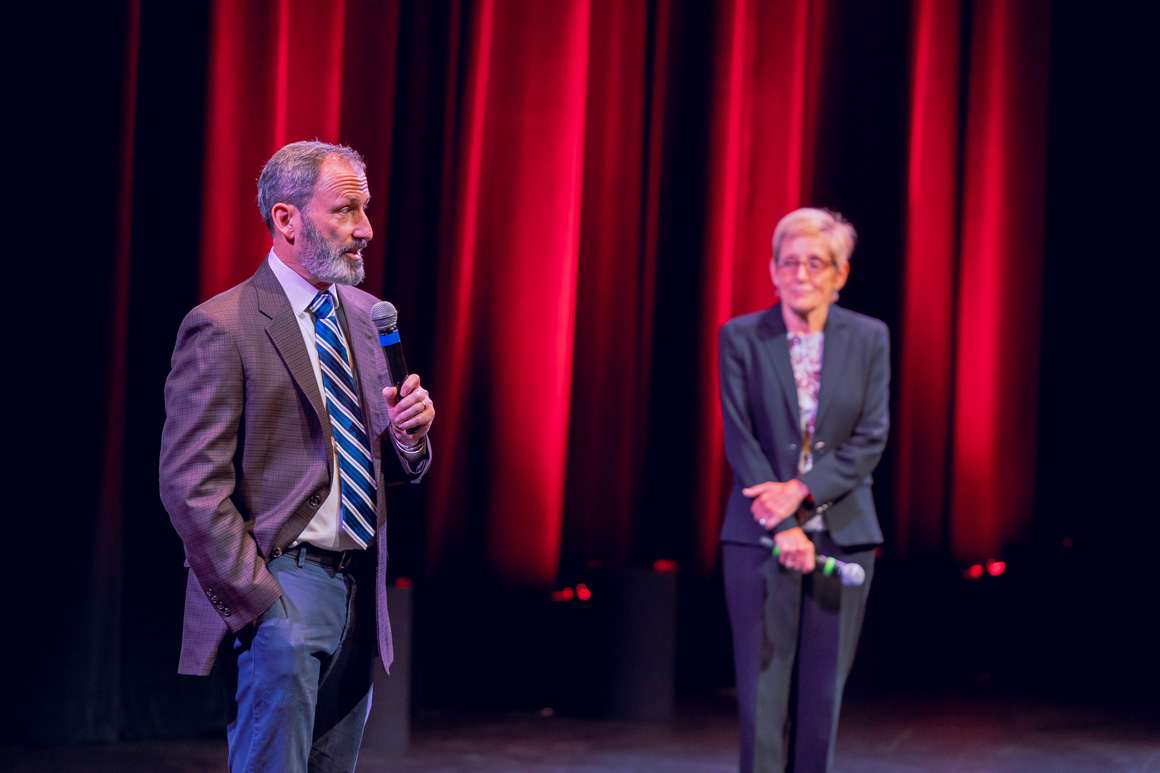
x=804 y=397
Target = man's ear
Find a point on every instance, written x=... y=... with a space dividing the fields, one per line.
x=285 y=218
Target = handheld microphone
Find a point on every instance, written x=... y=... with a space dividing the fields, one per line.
x=385 y=317
x=848 y=574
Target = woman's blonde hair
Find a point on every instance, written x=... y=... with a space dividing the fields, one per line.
x=831 y=226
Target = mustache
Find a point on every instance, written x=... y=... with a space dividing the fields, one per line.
x=358 y=245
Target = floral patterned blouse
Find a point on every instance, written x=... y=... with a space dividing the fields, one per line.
x=805 y=353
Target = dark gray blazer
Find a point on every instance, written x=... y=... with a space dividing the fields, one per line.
x=247 y=452
x=760 y=410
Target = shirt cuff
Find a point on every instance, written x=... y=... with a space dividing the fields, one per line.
x=412 y=457
x=414 y=451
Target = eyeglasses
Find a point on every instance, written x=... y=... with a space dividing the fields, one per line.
x=814 y=265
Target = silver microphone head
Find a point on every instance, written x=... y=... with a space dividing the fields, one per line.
x=385 y=317
x=851 y=574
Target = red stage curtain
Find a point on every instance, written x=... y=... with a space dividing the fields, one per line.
x=545 y=274
x=1001 y=266
x=615 y=286
x=511 y=310
x=557 y=314
x=925 y=372
x=98 y=664
x=969 y=374
x=279 y=72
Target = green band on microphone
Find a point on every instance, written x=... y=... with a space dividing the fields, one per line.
x=829 y=567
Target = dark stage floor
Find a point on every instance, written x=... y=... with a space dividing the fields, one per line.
x=981 y=732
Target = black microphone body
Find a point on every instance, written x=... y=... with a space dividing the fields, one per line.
x=385 y=318
x=396 y=364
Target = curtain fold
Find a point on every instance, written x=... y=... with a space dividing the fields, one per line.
x=1000 y=275
x=609 y=407
x=929 y=280
x=513 y=323
x=100 y=712
x=365 y=120
x=971 y=300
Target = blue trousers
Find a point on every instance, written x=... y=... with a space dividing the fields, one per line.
x=301 y=676
x=794 y=638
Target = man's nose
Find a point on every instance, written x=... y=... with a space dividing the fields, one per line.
x=363 y=230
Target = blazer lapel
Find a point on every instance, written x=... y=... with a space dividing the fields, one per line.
x=774 y=349
x=835 y=347
x=286 y=336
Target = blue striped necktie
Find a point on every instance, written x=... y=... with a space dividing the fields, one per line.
x=350 y=436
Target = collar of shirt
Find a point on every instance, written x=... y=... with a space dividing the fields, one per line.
x=299 y=291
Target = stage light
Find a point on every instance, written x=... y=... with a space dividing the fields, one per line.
x=974 y=573
x=563 y=595
x=403 y=582
x=664 y=565
x=996 y=567
x=582 y=592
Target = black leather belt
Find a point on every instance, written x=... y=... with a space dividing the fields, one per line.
x=334 y=560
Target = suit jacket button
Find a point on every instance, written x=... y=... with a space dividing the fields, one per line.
x=276 y=552
x=315 y=500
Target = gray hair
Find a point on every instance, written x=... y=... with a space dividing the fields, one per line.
x=836 y=230
x=291 y=173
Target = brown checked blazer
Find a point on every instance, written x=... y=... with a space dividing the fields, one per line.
x=246 y=453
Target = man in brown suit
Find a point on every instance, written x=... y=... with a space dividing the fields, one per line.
x=278 y=409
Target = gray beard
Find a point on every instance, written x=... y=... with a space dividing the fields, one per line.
x=330 y=264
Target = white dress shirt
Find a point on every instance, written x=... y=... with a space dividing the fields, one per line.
x=325 y=528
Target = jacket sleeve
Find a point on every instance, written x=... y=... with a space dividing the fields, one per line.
x=837 y=473
x=410 y=468
x=742 y=448
x=204 y=414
